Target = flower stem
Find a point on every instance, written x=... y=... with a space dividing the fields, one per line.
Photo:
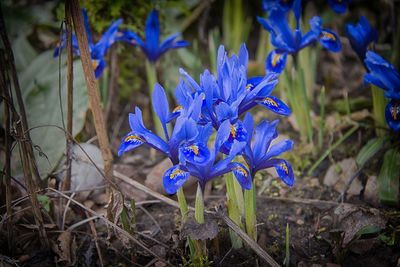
x=182 y=203
x=297 y=96
x=233 y=209
x=200 y=245
x=199 y=206
x=151 y=75
x=379 y=104
x=184 y=212
x=250 y=212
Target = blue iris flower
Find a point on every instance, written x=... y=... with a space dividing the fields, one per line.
x=270 y=5
x=361 y=35
x=151 y=46
x=288 y=41
x=176 y=176
x=97 y=50
x=261 y=154
x=339 y=6
x=185 y=130
x=231 y=94
x=385 y=76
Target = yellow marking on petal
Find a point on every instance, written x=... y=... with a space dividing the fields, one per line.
x=134 y=137
x=95 y=63
x=177 y=108
x=270 y=101
x=195 y=149
x=241 y=170
x=328 y=35
x=249 y=86
x=275 y=58
x=394 y=110
x=175 y=173
x=233 y=131
x=284 y=167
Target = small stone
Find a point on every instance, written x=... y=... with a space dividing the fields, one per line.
x=273 y=233
x=338 y=175
x=299 y=211
x=371 y=191
x=300 y=222
x=154 y=179
x=159 y=264
x=88 y=203
x=314 y=182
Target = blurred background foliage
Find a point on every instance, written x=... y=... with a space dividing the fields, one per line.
x=204 y=23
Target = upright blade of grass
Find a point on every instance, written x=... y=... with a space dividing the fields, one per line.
x=331 y=148
x=287 y=246
x=306 y=110
x=250 y=212
x=233 y=209
x=263 y=46
x=369 y=150
x=151 y=75
x=388 y=179
x=379 y=104
x=321 y=118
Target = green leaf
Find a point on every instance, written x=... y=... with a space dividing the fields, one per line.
x=40 y=88
x=369 y=150
x=25 y=53
x=44 y=201
x=388 y=179
x=368 y=230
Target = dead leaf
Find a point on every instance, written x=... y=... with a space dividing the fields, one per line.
x=351 y=219
x=66 y=248
x=207 y=230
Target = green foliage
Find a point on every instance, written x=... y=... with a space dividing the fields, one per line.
x=236 y=25
x=388 y=178
x=44 y=201
x=39 y=81
x=128 y=217
x=369 y=150
x=198 y=262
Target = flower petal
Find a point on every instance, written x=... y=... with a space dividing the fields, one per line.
x=129 y=142
x=330 y=40
x=195 y=152
x=242 y=175
x=275 y=104
x=237 y=133
x=285 y=172
x=152 y=35
x=275 y=61
x=392 y=114
x=174 y=178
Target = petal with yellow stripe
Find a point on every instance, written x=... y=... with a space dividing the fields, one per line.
x=174 y=178
x=275 y=62
x=275 y=104
x=129 y=142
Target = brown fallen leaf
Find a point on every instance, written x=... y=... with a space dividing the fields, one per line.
x=207 y=230
x=351 y=219
x=66 y=248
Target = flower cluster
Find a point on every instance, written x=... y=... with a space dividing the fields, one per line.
x=215 y=104
x=385 y=76
x=152 y=49
x=361 y=35
x=289 y=41
x=380 y=72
